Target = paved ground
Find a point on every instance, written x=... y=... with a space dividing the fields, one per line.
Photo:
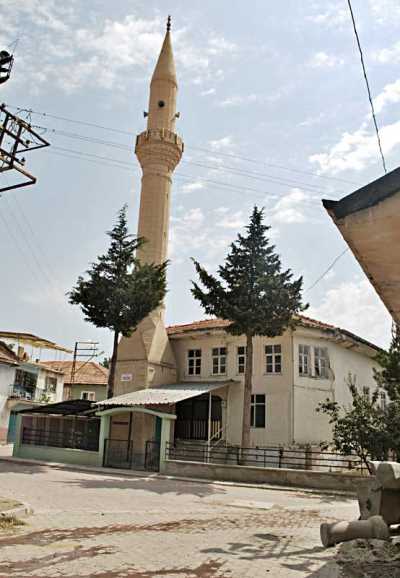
x=88 y=525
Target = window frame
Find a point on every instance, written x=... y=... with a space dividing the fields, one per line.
x=257 y=403
x=304 y=356
x=88 y=398
x=241 y=359
x=193 y=366
x=323 y=362
x=275 y=351
x=50 y=383
x=219 y=360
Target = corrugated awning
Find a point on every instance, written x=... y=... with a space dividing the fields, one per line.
x=67 y=407
x=163 y=395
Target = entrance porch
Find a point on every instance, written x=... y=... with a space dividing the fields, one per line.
x=129 y=431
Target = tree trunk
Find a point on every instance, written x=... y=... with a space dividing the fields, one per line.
x=248 y=378
x=113 y=363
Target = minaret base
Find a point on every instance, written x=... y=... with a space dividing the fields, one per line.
x=145 y=359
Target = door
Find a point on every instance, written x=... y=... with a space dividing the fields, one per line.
x=12 y=427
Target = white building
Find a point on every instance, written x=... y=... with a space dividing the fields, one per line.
x=292 y=374
x=25 y=381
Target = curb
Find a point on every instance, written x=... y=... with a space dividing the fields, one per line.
x=157 y=476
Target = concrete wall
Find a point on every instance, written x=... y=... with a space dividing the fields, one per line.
x=255 y=475
x=41 y=384
x=99 y=390
x=7 y=376
x=59 y=455
x=310 y=426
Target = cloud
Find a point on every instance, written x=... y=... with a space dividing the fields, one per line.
x=104 y=52
x=355 y=306
x=219 y=45
x=208 y=92
x=289 y=209
x=389 y=95
x=252 y=98
x=387 y=55
x=236 y=220
x=385 y=11
x=192 y=187
x=334 y=15
x=324 y=60
x=356 y=150
x=192 y=234
x=221 y=144
x=239 y=100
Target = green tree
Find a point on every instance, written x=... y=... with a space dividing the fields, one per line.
x=119 y=291
x=106 y=362
x=359 y=428
x=254 y=293
x=388 y=377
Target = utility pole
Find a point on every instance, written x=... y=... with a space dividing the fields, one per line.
x=16 y=136
x=83 y=350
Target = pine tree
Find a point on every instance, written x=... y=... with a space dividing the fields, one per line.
x=120 y=291
x=253 y=293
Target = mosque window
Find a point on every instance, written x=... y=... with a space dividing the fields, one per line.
x=273 y=358
x=258 y=407
x=194 y=362
x=219 y=360
x=241 y=359
x=161 y=104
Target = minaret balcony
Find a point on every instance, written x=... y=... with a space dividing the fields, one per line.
x=159 y=134
x=159 y=144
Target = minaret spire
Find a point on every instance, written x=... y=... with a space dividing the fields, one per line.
x=159 y=150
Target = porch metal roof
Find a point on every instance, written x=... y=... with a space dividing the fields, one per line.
x=163 y=394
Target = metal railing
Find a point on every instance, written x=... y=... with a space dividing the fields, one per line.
x=72 y=439
x=266 y=457
x=196 y=429
x=21 y=392
x=122 y=454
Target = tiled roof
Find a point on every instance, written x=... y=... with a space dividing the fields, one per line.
x=87 y=373
x=304 y=321
x=7 y=355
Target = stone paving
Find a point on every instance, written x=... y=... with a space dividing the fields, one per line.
x=87 y=524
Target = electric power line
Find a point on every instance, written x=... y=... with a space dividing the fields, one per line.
x=367 y=85
x=255 y=175
x=202 y=149
x=336 y=259
x=117 y=163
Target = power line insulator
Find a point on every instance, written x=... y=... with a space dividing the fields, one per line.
x=6 y=62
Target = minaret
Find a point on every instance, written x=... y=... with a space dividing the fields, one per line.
x=159 y=150
x=146 y=358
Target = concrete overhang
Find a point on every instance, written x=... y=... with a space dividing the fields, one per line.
x=369 y=221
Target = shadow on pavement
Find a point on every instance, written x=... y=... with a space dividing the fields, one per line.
x=158 y=486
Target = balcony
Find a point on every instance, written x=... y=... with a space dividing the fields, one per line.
x=22 y=392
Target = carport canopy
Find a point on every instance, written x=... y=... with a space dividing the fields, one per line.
x=162 y=394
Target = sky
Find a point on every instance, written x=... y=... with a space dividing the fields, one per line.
x=273 y=112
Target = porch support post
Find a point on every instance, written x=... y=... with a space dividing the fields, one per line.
x=105 y=421
x=209 y=426
x=165 y=438
x=18 y=435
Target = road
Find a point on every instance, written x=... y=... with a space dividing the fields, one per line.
x=110 y=526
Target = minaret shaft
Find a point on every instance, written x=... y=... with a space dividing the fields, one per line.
x=146 y=357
